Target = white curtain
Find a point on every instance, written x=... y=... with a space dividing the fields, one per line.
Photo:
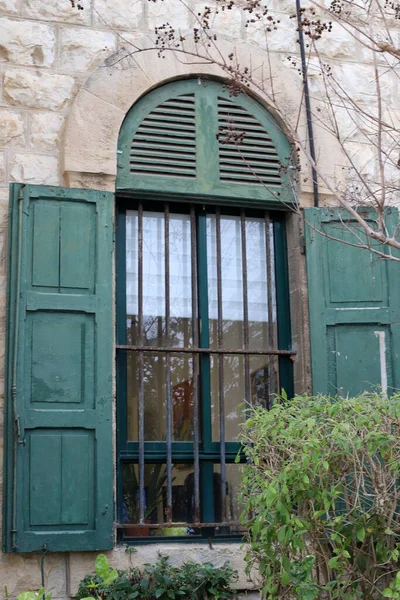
x=180 y=266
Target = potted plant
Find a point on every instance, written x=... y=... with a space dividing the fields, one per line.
x=153 y=496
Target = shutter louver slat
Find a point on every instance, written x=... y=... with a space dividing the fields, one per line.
x=239 y=132
x=165 y=141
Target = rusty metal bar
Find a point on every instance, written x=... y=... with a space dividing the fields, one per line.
x=245 y=308
x=221 y=386
x=271 y=333
x=168 y=364
x=196 y=436
x=196 y=350
x=180 y=524
x=142 y=500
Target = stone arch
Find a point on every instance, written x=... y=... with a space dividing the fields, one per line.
x=102 y=103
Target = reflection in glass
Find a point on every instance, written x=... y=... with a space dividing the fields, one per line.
x=154 y=291
x=233 y=505
x=155 y=398
x=180 y=323
x=264 y=385
x=155 y=485
x=261 y=292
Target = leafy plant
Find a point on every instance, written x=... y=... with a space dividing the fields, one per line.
x=157 y=478
x=39 y=595
x=160 y=581
x=393 y=591
x=322 y=491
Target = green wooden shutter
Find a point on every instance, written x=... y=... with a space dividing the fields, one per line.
x=59 y=451
x=354 y=306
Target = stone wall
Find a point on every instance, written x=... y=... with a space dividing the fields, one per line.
x=49 y=53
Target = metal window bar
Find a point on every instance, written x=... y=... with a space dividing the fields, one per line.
x=142 y=500
x=245 y=308
x=196 y=352
x=271 y=332
x=168 y=364
x=196 y=437
x=221 y=385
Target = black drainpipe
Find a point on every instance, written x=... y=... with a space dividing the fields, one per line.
x=307 y=99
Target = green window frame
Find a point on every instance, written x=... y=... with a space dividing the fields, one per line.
x=192 y=147
x=209 y=450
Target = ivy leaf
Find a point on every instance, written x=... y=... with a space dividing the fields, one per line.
x=333 y=562
x=102 y=566
x=361 y=534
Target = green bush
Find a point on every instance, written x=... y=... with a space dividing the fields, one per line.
x=160 y=581
x=322 y=496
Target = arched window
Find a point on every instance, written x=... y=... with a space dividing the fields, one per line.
x=203 y=327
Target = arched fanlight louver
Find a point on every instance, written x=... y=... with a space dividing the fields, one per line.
x=193 y=138
x=165 y=141
x=247 y=153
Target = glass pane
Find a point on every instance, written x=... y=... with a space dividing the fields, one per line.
x=155 y=398
x=231 y=276
x=155 y=476
x=264 y=384
x=264 y=380
x=234 y=395
x=180 y=291
x=233 y=506
x=261 y=294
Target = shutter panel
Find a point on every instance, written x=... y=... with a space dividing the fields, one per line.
x=354 y=305
x=60 y=362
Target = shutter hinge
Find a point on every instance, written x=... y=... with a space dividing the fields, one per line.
x=302 y=244
x=20 y=440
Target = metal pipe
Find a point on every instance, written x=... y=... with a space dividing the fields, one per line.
x=307 y=101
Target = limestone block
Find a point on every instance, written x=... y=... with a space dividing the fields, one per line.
x=167 y=11
x=4 y=200
x=364 y=158
x=339 y=44
x=83 y=49
x=45 y=130
x=57 y=10
x=92 y=136
x=12 y=127
x=282 y=39
x=34 y=168
x=82 y=563
x=275 y=6
x=26 y=42
x=21 y=572
x=118 y=13
x=10 y=6
x=227 y=22
x=37 y=89
x=2 y=169
x=359 y=82
x=120 y=83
